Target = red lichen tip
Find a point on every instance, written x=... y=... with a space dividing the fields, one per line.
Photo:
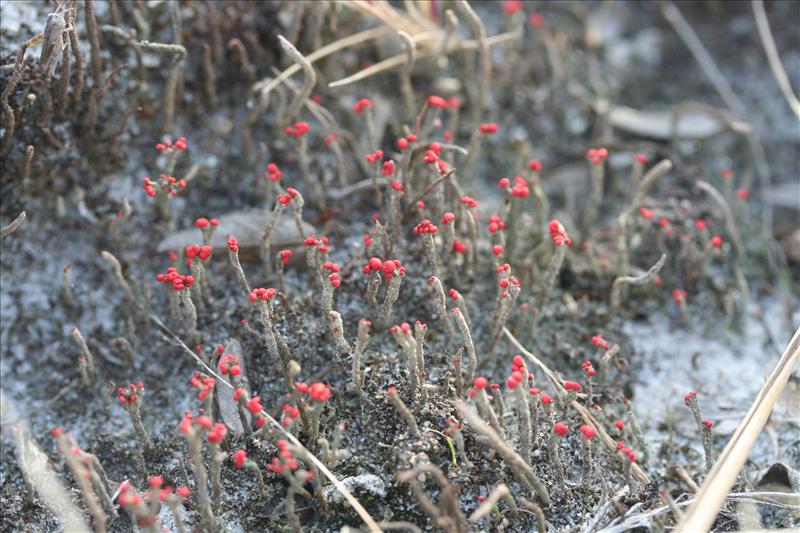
x=362 y=104
x=233 y=244
x=558 y=233
x=689 y=396
x=619 y=424
x=488 y=128
x=261 y=294
x=426 y=226
x=588 y=432
x=437 y=101
x=679 y=295
x=319 y=392
x=716 y=241
x=572 y=386
x=254 y=405
x=480 y=382
x=512 y=6
x=297 y=130
x=239 y=457
x=597 y=155
x=561 y=428
x=546 y=399
x=599 y=341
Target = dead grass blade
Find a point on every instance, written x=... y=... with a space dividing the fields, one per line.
x=400 y=59
x=12 y=227
x=332 y=48
x=778 y=72
x=723 y=474
x=558 y=383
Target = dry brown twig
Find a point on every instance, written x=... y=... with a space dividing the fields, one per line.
x=762 y=23
x=722 y=476
x=308 y=84
x=616 y=287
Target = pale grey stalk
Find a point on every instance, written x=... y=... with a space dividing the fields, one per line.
x=441 y=304
x=430 y=250
x=705 y=431
x=503 y=312
x=638 y=434
x=420 y=330
x=616 y=287
x=308 y=84
x=484 y=59
x=338 y=332
x=392 y=293
x=486 y=411
x=238 y=271
x=266 y=234
x=405 y=75
x=398 y=404
x=641 y=189
x=472 y=363
x=523 y=417
x=550 y=278
x=558 y=466
x=189 y=314
x=361 y=343
x=84 y=349
x=200 y=478
x=373 y=284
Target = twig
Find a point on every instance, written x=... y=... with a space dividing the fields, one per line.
x=405 y=75
x=91 y=30
x=432 y=185
x=400 y=59
x=12 y=227
x=308 y=84
x=484 y=60
x=616 y=287
x=730 y=224
x=13 y=80
x=762 y=23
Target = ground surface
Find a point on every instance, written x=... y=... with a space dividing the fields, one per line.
x=544 y=98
